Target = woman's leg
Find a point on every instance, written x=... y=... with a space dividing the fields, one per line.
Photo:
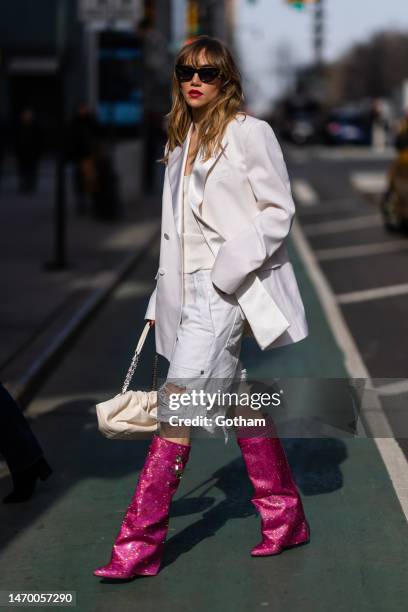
x=139 y=545
x=174 y=433
x=283 y=521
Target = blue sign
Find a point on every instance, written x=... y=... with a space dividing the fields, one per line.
x=120 y=100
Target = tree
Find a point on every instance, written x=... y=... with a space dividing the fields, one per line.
x=370 y=69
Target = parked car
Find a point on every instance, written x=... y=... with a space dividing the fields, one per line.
x=299 y=118
x=347 y=126
x=300 y=128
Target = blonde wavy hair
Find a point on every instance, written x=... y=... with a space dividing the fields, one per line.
x=219 y=112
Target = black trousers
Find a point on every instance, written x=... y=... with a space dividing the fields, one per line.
x=18 y=444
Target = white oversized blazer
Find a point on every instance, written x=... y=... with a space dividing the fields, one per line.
x=243 y=199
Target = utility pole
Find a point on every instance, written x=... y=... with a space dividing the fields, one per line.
x=59 y=263
x=318 y=32
x=318 y=25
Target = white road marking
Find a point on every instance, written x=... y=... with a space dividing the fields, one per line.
x=299 y=156
x=361 y=250
x=304 y=192
x=372 y=294
x=374 y=415
x=369 y=181
x=342 y=225
x=334 y=205
x=393 y=388
x=342 y=153
x=345 y=153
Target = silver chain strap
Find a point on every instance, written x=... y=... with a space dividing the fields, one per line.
x=135 y=361
x=154 y=372
x=130 y=372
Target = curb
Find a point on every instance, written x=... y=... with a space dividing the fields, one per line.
x=24 y=386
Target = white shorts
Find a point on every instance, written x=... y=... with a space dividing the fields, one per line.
x=206 y=353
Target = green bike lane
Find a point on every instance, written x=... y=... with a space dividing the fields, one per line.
x=356 y=559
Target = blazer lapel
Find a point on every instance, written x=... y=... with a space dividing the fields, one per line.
x=199 y=174
x=176 y=167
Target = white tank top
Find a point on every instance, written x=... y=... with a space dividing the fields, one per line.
x=197 y=254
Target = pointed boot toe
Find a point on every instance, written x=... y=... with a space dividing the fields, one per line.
x=263 y=549
x=113 y=572
x=270 y=547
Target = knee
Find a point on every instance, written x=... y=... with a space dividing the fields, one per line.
x=172 y=388
x=175 y=433
x=169 y=389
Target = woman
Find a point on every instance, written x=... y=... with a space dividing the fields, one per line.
x=224 y=270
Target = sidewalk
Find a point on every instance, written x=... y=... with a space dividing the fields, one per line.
x=40 y=310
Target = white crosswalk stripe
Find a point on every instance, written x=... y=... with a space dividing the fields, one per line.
x=398 y=387
x=361 y=250
x=372 y=294
x=304 y=193
x=342 y=225
x=369 y=182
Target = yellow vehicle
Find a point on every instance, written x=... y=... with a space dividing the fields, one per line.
x=394 y=203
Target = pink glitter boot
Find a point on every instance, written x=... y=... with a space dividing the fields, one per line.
x=138 y=548
x=283 y=522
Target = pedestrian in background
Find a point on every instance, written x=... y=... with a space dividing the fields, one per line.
x=401 y=138
x=3 y=145
x=28 y=149
x=21 y=450
x=82 y=146
x=230 y=268
x=106 y=202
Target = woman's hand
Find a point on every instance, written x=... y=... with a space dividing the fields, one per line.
x=151 y=321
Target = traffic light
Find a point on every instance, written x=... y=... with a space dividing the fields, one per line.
x=300 y=4
x=297 y=4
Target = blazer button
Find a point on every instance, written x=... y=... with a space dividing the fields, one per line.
x=162 y=270
x=166 y=236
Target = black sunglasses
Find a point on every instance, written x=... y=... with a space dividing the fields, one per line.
x=207 y=74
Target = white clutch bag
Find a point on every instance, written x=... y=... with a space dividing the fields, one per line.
x=130 y=412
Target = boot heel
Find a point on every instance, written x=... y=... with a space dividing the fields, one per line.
x=44 y=470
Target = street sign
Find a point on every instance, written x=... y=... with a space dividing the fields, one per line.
x=110 y=10
x=120 y=78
